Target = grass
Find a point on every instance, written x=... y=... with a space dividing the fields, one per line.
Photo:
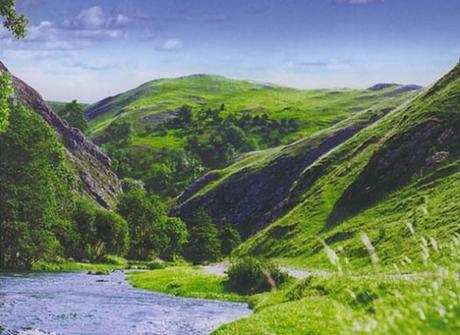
x=314 y=109
x=184 y=281
x=356 y=305
x=73 y=266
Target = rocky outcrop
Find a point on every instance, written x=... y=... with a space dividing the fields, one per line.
x=250 y=200
x=94 y=168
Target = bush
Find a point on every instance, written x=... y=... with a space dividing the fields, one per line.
x=156 y=265
x=250 y=275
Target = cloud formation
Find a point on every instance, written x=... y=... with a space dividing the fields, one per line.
x=94 y=18
x=172 y=44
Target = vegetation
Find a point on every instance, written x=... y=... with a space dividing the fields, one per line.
x=74 y=114
x=204 y=244
x=35 y=187
x=151 y=232
x=185 y=281
x=6 y=89
x=250 y=275
x=230 y=238
x=17 y=24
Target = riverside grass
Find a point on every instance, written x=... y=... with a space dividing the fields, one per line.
x=185 y=281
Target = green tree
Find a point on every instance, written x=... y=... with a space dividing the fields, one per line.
x=144 y=217
x=230 y=238
x=35 y=185
x=15 y=23
x=177 y=235
x=204 y=244
x=112 y=230
x=74 y=114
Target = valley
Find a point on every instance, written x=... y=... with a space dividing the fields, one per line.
x=148 y=185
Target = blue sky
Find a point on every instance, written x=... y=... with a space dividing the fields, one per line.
x=91 y=49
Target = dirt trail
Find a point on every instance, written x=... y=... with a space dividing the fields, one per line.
x=219 y=269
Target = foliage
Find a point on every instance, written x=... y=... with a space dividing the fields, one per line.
x=74 y=114
x=176 y=234
x=6 y=89
x=17 y=24
x=144 y=215
x=230 y=238
x=250 y=275
x=99 y=232
x=35 y=188
x=204 y=244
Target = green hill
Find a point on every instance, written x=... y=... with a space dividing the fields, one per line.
x=228 y=118
x=395 y=181
x=370 y=206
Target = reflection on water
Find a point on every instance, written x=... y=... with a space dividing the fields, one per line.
x=76 y=303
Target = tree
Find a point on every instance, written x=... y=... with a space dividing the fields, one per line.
x=230 y=238
x=112 y=230
x=177 y=235
x=99 y=231
x=74 y=114
x=144 y=217
x=14 y=23
x=204 y=244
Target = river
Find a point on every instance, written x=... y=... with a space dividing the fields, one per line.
x=77 y=303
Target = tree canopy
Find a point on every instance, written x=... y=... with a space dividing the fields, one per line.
x=15 y=23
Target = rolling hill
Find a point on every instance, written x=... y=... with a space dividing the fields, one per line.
x=228 y=118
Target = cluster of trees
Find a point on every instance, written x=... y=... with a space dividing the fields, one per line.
x=165 y=172
x=217 y=139
x=35 y=185
x=74 y=113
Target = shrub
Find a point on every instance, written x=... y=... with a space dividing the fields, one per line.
x=155 y=265
x=250 y=275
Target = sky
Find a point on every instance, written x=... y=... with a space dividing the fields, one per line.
x=89 y=49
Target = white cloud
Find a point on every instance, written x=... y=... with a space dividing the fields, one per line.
x=95 y=18
x=172 y=44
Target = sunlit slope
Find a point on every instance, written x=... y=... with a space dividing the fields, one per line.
x=397 y=181
x=314 y=109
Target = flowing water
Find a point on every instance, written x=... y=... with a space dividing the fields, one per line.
x=77 y=303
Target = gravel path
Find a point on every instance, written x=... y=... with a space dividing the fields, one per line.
x=219 y=269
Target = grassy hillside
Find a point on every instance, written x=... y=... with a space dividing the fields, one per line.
x=379 y=212
x=396 y=182
x=315 y=109
x=393 y=184
x=227 y=118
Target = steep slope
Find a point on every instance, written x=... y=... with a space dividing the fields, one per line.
x=94 y=168
x=250 y=193
x=396 y=181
